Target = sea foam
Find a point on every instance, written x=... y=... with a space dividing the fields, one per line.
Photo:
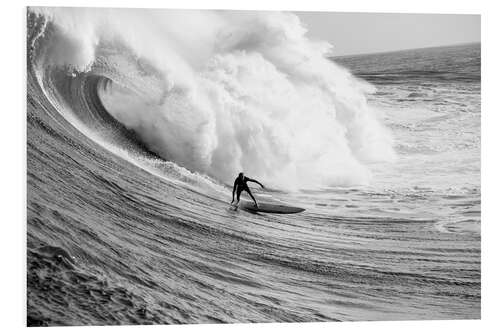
x=228 y=92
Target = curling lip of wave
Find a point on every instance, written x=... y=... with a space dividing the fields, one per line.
x=241 y=91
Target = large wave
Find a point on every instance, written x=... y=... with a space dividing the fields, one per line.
x=219 y=92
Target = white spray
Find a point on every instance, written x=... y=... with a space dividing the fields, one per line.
x=238 y=91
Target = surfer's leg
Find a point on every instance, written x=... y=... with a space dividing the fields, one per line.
x=251 y=196
x=238 y=193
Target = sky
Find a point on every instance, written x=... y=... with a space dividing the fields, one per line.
x=356 y=33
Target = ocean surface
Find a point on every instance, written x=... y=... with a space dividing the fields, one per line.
x=128 y=218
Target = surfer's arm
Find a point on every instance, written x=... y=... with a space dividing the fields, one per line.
x=255 y=181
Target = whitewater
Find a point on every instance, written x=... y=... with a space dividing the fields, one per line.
x=139 y=120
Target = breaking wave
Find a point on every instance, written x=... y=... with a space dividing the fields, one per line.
x=214 y=92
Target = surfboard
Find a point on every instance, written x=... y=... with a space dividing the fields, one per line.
x=270 y=208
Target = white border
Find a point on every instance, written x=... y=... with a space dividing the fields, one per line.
x=13 y=131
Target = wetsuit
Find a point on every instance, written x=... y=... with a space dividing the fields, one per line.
x=241 y=185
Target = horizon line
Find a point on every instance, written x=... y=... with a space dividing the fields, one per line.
x=402 y=50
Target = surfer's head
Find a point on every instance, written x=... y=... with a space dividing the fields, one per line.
x=241 y=175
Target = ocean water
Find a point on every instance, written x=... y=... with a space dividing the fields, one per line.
x=134 y=137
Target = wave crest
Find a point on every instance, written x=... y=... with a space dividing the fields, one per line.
x=224 y=92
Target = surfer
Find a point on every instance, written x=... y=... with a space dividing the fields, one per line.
x=240 y=184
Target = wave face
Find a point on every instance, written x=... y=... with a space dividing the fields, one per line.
x=135 y=121
x=222 y=92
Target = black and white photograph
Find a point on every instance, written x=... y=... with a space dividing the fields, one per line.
x=190 y=166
